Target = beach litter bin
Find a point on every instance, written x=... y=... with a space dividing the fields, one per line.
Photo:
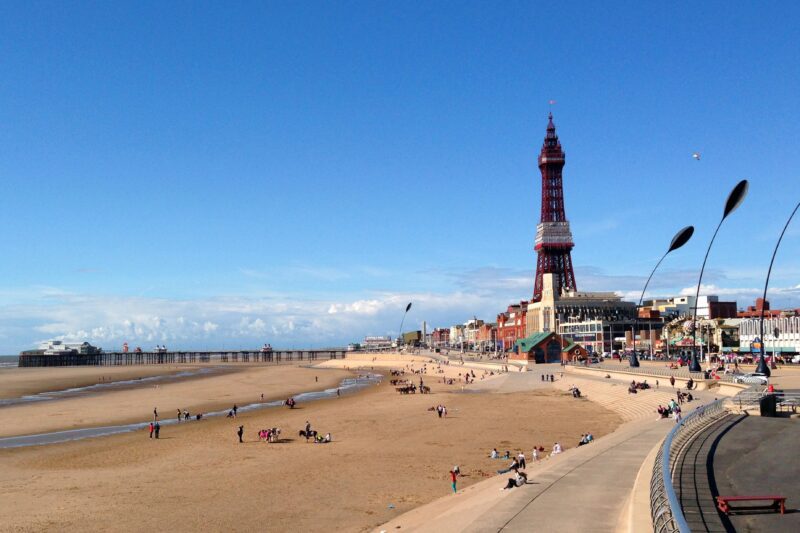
x=768 y=405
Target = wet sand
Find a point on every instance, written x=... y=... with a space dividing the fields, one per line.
x=16 y=382
x=197 y=394
x=388 y=450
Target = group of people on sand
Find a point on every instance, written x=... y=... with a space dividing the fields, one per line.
x=185 y=416
x=635 y=386
x=576 y=392
x=469 y=377
x=586 y=439
x=316 y=435
x=154 y=428
x=517 y=466
x=548 y=377
x=233 y=411
x=673 y=408
x=519 y=461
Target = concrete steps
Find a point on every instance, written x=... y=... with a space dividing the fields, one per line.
x=614 y=395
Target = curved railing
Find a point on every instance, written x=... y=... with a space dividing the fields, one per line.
x=665 y=508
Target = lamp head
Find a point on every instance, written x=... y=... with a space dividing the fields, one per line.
x=735 y=198
x=681 y=238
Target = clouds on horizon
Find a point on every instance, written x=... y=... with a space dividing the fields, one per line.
x=247 y=321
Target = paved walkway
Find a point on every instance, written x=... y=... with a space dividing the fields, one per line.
x=694 y=477
x=584 y=489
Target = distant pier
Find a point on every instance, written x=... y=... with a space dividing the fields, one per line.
x=166 y=358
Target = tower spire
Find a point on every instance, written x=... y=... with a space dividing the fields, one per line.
x=553 y=236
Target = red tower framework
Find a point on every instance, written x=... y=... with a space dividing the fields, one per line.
x=553 y=237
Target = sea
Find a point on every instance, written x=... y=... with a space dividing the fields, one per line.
x=9 y=361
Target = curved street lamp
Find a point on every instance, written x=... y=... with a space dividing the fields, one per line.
x=734 y=200
x=762 y=363
x=680 y=238
x=400 y=334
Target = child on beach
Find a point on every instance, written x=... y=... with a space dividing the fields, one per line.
x=453 y=476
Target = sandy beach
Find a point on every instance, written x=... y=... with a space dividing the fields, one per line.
x=389 y=455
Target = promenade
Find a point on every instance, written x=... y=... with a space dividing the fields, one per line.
x=586 y=488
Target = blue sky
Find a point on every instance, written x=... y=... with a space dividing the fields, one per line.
x=207 y=175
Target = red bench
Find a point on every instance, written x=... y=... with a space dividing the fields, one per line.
x=778 y=503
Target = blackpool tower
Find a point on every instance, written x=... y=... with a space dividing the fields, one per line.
x=553 y=237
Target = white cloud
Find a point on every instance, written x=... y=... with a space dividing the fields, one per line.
x=30 y=315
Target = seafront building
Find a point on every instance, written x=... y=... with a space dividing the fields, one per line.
x=377 y=342
x=781 y=329
x=440 y=337
x=511 y=325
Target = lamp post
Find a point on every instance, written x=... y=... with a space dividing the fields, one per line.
x=680 y=238
x=762 y=363
x=734 y=200
x=400 y=334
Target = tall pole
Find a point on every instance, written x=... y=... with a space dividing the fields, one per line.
x=762 y=363
x=735 y=198
x=680 y=238
x=400 y=333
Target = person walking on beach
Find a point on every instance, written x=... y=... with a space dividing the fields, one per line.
x=453 y=477
x=155 y=414
x=179 y=415
x=338 y=392
x=316 y=379
x=152 y=427
x=521 y=460
x=672 y=381
x=235 y=409
x=240 y=433
x=535 y=454
x=157 y=428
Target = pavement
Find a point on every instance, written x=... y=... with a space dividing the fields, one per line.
x=758 y=456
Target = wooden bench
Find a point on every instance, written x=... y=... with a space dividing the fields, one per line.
x=778 y=503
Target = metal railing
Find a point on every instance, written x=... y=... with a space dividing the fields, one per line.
x=665 y=508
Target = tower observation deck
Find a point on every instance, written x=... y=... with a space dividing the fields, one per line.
x=553 y=236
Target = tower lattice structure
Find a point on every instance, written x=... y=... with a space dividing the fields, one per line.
x=553 y=236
